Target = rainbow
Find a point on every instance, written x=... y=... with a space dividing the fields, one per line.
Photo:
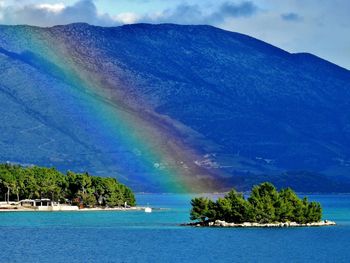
x=151 y=154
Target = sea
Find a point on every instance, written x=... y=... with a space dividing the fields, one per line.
x=136 y=236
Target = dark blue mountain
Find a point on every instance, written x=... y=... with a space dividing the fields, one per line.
x=251 y=112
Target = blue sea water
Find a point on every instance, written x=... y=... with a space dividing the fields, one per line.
x=157 y=237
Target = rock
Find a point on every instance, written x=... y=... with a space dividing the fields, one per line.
x=221 y=223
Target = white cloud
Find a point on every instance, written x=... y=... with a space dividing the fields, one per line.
x=54 y=8
x=55 y=14
x=185 y=13
x=2 y=2
x=127 y=18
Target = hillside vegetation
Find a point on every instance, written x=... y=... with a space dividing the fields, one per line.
x=216 y=106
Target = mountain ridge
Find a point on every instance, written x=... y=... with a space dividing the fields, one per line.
x=230 y=104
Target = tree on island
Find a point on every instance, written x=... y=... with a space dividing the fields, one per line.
x=17 y=182
x=264 y=205
x=200 y=208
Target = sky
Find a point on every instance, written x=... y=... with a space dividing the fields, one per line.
x=320 y=27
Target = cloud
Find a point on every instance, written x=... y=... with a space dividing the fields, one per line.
x=194 y=14
x=291 y=17
x=56 y=14
x=55 y=8
x=126 y=18
x=49 y=14
x=182 y=14
x=2 y=3
x=244 y=9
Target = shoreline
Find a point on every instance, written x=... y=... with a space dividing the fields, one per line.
x=74 y=209
x=220 y=223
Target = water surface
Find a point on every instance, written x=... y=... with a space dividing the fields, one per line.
x=139 y=237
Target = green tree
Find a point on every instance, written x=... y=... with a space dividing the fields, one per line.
x=264 y=199
x=290 y=205
x=313 y=212
x=40 y=182
x=265 y=205
x=88 y=199
x=239 y=207
x=200 y=208
x=6 y=181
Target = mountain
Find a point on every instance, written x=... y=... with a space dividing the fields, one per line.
x=173 y=108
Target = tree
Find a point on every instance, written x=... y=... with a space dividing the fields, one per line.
x=313 y=212
x=288 y=201
x=264 y=199
x=240 y=209
x=40 y=182
x=265 y=205
x=129 y=197
x=232 y=208
x=89 y=200
x=7 y=181
x=200 y=208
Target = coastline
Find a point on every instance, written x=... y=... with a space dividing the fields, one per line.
x=73 y=209
x=219 y=223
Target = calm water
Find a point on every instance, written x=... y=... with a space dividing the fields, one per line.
x=156 y=237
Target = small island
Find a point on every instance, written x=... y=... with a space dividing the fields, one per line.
x=265 y=207
x=35 y=188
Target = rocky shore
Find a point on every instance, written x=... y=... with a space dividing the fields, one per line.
x=66 y=208
x=219 y=223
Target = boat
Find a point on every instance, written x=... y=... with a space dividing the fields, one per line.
x=148 y=210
